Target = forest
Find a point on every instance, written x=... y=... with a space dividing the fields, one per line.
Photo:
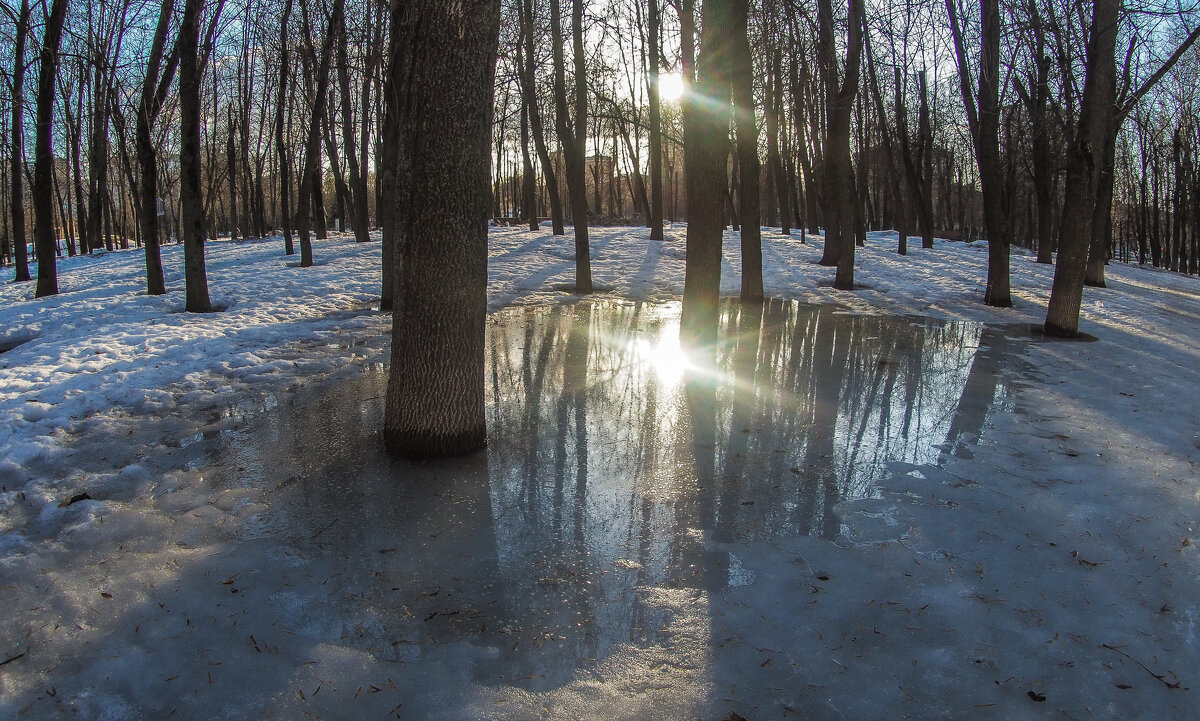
x=599 y=359
x=1066 y=128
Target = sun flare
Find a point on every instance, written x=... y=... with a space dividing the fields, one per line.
x=664 y=356
x=670 y=87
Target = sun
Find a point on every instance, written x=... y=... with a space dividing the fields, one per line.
x=670 y=87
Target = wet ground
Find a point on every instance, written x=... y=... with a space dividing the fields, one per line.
x=782 y=528
x=616 y=466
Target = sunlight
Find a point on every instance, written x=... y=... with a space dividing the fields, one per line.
x=664 y=356
x=670 y=87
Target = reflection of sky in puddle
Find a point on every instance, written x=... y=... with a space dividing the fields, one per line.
x=615 y=465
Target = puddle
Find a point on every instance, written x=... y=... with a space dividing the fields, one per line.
x=614 y=466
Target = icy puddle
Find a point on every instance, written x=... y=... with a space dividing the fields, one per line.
x=811 y=523
x=626 y=487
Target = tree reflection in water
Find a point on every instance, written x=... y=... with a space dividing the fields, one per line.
x=617 y=469
x=615 y=460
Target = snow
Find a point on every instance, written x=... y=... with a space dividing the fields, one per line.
x=243 y=552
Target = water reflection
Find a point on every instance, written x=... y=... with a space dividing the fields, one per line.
x=615 y=464
x=595 y=411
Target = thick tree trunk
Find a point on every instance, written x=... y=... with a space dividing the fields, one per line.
x=435 y=397
x=706 y=132
x=43 y=158
x=17 y=159
x=190 y=187
x=1083 y=170
x=984 y=121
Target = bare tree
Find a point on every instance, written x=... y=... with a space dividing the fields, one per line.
x=43 y=157
x=310 y=168
x=840 y=91
x=17 y=158
x=749 y=167
x=983 y=117
x=654 y=51
x=572 y=134
x=155 y=85
x=706 y=133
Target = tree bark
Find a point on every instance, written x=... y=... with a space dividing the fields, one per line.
x=17 y=161
x=1083 y=169
x=706 y=132
x=572 y=135
x=154 y=90
x=310 y=195
x=285 y=189
x=655 y=111
x=839 y=104
x=984 y=122
x=43 y=158
x=190 y=188
x=435 y=396
x=749 y=168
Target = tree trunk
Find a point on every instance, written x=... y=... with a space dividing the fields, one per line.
x=154 y=91
x=285 y=189
x=43 y=158
x=231 y=162
x=774 y=163
x=572 y=135
x=742 y=69
x=839 y=104
x=706 y=131
x=1083 y=169
x=435 y=396
x=529 y=91
x=17 y=160
x=528 y=182
x=984 y=122
x=310 y=170
x=356 y=213
x=1101 y=240
x=190 y=187
x=655 y=111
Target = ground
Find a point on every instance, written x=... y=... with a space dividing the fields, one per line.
x=237 y=557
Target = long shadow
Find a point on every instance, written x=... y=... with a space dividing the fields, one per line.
x=621 y=480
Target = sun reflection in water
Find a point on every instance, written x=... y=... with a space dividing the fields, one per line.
x=663 y=354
